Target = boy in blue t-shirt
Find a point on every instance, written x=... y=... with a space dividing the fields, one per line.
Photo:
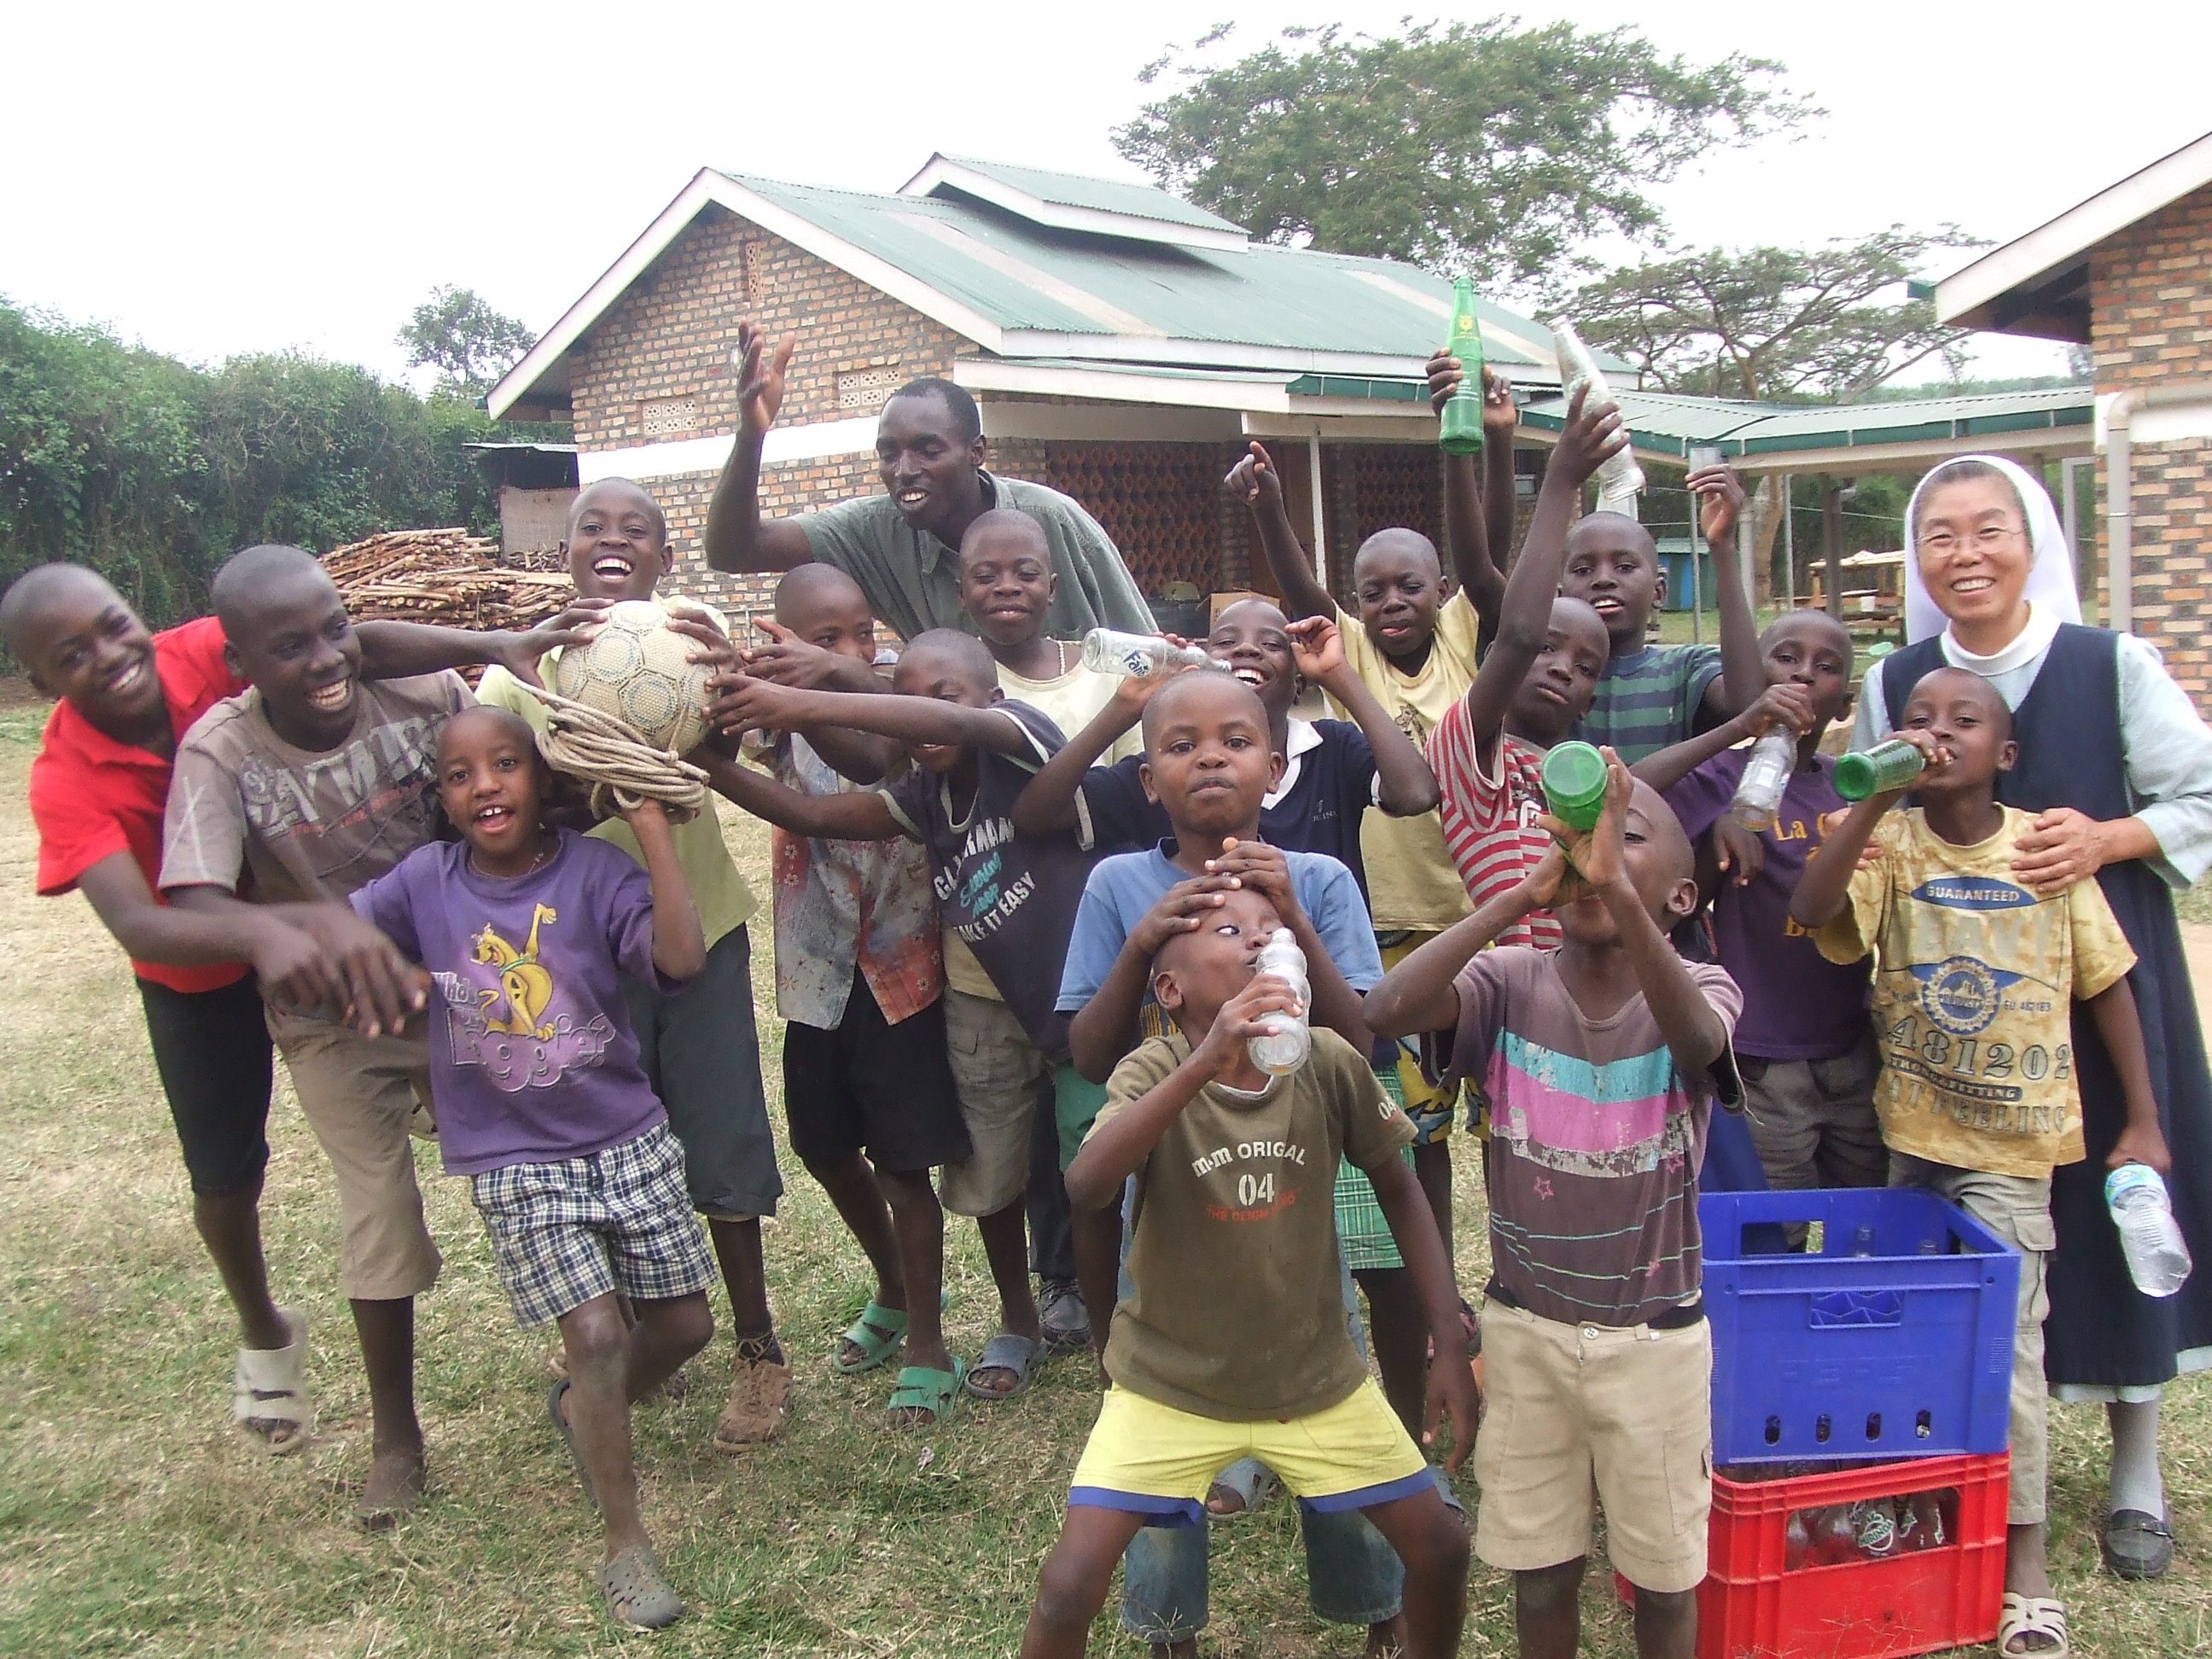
x=543 y=1102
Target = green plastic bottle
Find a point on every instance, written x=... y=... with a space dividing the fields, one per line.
x=1460 y=425
x=1574 y=784
x=1889 y=765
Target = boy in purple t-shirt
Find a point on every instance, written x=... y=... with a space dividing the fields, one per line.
x=525 y=931
x=1804 y=1046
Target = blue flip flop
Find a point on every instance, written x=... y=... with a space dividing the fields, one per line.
x=1004 y=1352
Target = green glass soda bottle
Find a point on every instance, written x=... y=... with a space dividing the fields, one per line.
x=1892 y=764
x=1574 y=784
x=1460 y=425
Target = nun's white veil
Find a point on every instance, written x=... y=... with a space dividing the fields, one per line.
x=2049 y=580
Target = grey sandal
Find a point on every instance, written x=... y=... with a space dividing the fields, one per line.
x=637 y=1595
x=1004 y=1352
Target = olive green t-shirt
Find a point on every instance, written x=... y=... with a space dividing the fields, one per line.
x=1237 y=1308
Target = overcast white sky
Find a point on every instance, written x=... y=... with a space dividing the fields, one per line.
x=222 y=177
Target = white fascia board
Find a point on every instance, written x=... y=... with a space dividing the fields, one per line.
x=2019 y=263
x=1062 y=215
x=783 y=444
x=1109 y=385
x=2052 y=442
x=1228 y=354
x=556 y=342
x=1108 y=423
x=707 y=185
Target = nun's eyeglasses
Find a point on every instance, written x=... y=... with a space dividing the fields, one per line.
x=1988 y=539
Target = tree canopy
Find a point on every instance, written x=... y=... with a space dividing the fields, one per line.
x=1814 y=324
x=1482 y=148
x=468 y=343
x=154 y=472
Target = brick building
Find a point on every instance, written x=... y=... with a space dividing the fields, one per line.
x=1122 y=344
x=2128 y=273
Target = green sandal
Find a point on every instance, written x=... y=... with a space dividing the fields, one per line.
x=922 y=1388
x=876 y=1334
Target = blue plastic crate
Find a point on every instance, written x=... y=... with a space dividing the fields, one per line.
x=1834 y=1356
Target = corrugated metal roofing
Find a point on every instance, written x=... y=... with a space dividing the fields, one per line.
x=1023 y=277
x=1669 y=424
x=1099 y=194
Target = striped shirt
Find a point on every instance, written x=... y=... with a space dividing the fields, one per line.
x=1649 y=699
x=1596 y=1138
x=1489 y=821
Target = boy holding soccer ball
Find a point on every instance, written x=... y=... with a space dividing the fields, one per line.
x=698 y=1045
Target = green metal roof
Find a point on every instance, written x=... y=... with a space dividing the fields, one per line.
x=1022 y=276
x=1666 y=423
x=1098 y=195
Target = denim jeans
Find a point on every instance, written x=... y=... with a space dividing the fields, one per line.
x=1352 y=1574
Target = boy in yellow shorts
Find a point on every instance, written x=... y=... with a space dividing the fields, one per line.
x=1232 y=1342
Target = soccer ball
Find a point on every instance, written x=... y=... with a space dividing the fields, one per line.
x=637 y=670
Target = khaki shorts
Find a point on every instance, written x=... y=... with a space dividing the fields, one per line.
x=2017 y=1209
x=360 y=1095
x=1620 y=1414
x=999 y=1072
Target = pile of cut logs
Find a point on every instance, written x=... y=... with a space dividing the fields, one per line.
x=444 y=576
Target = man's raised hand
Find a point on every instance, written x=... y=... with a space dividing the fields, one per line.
x=760 y=375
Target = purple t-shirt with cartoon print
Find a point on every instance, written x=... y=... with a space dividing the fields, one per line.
x=532 y=1058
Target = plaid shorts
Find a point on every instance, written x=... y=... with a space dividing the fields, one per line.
x=615 y=1220
x=1362 y=1233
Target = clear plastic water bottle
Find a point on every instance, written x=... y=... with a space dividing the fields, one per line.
x=1765 y=775
x=2158 y=1259
x=1284 y=1049
x=1138 y=656
x=1620 y=480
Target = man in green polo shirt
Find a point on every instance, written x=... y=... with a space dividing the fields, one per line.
x=900 y=546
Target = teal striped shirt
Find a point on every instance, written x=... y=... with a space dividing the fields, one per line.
x=1649 y=699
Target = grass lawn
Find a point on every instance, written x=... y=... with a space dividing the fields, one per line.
x=132 y=1520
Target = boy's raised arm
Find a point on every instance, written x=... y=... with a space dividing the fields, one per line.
x=1789 y=704
x=1255 y=482
x=736 y=540
x=1419 y=995
x=1743 y=674
x=679 y=947
x=859 y=815
x=397 y=650
x=1468 y=527
x=1524 y=616
x=1046 y=805
x=745 y=701
x=1408 y=784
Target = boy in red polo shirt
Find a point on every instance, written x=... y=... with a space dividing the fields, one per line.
x=99 y=789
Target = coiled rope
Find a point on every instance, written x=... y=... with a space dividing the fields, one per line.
x=610 y=755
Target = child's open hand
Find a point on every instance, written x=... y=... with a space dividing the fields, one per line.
x=743 y=703
x=760 y=375
x=1720 y=501
x=1180 y=910
x=520 y=653
x=1244 y=1017
x=1316 y=646
x=1262 y=868
x=787 y=659
x=1253 y=477
x=716 y=650
x=1589 y=438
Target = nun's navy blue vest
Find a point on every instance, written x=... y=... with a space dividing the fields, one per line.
x=2101 y=1330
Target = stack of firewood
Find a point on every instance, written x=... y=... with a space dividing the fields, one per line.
x=445 y=576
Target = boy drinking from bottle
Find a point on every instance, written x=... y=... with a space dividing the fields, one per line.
x=1232 y=1340
x=1601 y=1059
x=1973 y=1006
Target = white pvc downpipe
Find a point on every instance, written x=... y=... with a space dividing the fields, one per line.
x=2119 y=490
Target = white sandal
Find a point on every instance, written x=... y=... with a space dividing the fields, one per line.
x=268 y=1391
x=2032 y=1615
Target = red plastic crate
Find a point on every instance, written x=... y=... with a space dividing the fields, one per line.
x=1753 y=1606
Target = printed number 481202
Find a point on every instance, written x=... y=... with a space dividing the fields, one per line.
x=1968 y=1056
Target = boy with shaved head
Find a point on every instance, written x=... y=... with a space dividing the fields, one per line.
x=699 y=1046
x=1602 y=1058
x=99 y=786
x=302 y=788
